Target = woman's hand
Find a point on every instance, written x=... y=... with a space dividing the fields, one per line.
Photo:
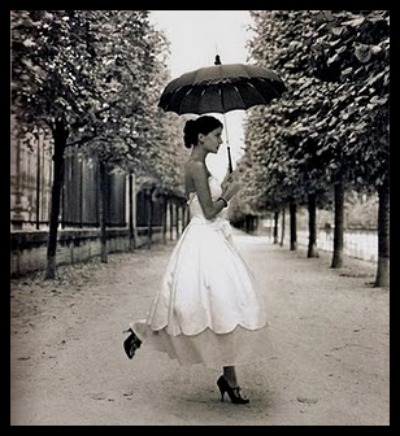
x=228 y=179
x=230 y=185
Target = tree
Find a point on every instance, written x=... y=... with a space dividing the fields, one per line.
x=353 y=50
x=284 y=131
x=83 y=75
x=329 y=89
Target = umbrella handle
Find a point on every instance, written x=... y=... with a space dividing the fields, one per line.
x=228 y=148
x=229 y=159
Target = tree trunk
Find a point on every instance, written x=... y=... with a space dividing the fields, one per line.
x=171 y=220
x=293 y=225
x=150 y=217
x=132 y=235
x=188 y=216
x=60 y=136
x=38 y=180
x=177 y=207
x=103 y=206
x=276 y=222
x=382 y=276
x=255 y=224
x=337 y=259
x=312 y=226
x=283 y=225
x=164 y=219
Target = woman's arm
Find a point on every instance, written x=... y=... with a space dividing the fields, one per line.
x=200 y=180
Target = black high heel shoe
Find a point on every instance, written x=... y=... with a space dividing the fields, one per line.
x=131 y=343
x=233 y=393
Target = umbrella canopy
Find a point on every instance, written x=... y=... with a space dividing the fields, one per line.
x=221 y=88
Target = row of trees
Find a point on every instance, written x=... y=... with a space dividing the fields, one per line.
x=330 y=132
x=92 y=78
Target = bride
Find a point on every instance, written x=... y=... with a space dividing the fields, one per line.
x=208 y=309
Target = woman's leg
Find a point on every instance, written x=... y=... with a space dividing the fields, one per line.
x=230 y=376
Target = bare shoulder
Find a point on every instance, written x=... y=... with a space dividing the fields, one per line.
x=196 y=165
x=196 y=169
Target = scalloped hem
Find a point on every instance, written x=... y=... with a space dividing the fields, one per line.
x=240 y=346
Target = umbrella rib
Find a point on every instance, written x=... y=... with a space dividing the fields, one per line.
x=221 y=98
x=271 y=88
x=238 y=92
x=257 y=91
x=183 y=98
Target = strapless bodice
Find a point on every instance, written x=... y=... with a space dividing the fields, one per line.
x=194 y=203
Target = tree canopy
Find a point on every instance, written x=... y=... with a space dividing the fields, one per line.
x=333 y=121
x=99 y=74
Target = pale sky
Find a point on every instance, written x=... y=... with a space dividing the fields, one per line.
x=196 y=37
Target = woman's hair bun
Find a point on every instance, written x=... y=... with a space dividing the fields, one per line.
x=190 y=133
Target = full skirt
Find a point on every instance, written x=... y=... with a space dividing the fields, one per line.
x=209 y=309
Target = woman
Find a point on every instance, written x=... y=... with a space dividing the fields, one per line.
x=208 y=309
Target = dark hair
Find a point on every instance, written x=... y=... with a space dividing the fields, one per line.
x=204 y=125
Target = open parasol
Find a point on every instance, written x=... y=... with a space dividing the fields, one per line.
x=221 y=88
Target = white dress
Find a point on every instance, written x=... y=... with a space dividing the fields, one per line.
x=208 y=309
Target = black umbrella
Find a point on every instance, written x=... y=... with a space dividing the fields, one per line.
x=221 y=88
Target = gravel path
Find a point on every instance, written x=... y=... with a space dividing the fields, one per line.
x=330 y=329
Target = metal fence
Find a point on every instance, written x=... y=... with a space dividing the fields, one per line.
x=31 y=175
x=31 y=185
x=143 y=210
x=31 y=182
x=81 y=194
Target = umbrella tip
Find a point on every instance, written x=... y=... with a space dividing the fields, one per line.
x=217 y=60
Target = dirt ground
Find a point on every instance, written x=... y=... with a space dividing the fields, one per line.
x=330 y=329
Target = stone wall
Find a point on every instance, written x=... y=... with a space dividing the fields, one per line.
x=28 y=249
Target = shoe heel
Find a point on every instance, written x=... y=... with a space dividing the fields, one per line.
x=131 y=344
x=233 y=393
x=222 y=387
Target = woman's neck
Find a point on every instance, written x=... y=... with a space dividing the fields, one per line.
x=198 y=154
